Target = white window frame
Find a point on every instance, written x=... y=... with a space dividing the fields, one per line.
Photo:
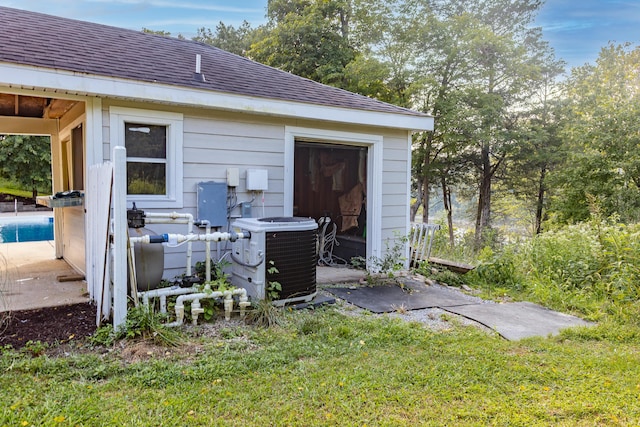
x=118 y=116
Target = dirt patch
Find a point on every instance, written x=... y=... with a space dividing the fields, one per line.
x=48 y=325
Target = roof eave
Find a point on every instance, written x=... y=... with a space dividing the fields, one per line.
x=46 y=79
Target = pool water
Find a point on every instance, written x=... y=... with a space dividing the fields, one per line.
x=26 y=229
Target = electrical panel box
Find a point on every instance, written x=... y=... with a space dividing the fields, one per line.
x=212 y=203
x=245 y=209
x=233 y=177
x=257 y=180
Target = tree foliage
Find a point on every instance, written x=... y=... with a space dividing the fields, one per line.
x=475 y=67
x=309 y=38
x=602 y=139
x=227 y=37
x=26 y=160
x=503 y=125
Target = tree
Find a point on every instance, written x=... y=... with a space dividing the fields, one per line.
x=309 y=38
x=476 y=66
x=26 y=160
x=539 y=149
x=444 y=47
x=602 y=136
x=161 y=33
x=503 y=71
x=227 y=37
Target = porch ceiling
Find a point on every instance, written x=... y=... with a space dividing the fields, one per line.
x=33 y=106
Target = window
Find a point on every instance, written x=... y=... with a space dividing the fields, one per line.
x=153 y=140
x=146 y=158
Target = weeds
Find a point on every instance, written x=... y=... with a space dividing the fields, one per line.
x=142 y=323
x=590 y=268
x=264 y=314
x=34 y=348
x=273 y=288
x=400 y=309
x=393 y=259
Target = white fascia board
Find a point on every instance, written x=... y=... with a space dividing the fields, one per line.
x=21 y=76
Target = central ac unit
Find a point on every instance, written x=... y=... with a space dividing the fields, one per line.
x=285 y=244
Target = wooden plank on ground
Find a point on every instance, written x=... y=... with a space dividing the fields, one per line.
x=70 y=278
x=457 y=267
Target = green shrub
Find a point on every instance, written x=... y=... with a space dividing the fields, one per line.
x=462 y=249
x=502 y=271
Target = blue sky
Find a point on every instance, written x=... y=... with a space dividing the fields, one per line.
x=576 y=29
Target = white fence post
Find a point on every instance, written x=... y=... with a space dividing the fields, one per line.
x=421 y=241
x=120 y=236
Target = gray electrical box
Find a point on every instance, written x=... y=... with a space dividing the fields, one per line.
x=245 y=209
x=212 y=203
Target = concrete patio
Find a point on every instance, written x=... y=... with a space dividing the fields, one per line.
x=29 y=275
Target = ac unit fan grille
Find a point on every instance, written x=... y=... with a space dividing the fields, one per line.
x=293 y=254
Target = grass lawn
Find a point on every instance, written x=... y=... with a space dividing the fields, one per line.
x=7 y=187
x=328 y=368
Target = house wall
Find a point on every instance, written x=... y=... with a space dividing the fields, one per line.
x=217 y=140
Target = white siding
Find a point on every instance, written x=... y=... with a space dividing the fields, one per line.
x=215 y=140
x=395 y=189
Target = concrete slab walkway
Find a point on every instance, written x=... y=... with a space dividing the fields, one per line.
x=28 y=278
x=513 y=321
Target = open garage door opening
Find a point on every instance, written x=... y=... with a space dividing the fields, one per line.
x=330 y=182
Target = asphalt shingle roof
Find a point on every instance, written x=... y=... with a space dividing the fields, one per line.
x=36 y=39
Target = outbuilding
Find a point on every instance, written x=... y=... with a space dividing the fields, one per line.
x=189 y=113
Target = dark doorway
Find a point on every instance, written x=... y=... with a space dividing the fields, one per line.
x=330 y=180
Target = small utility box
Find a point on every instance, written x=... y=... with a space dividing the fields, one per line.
x=257 y=180
x=212 y=203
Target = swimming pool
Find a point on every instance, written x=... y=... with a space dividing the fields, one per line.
x=26 y=229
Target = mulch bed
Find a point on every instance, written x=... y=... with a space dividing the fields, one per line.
x=49 y=325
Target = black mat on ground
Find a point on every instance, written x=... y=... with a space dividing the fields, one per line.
x=388 y=298
x=518 y=320
x=317 y=301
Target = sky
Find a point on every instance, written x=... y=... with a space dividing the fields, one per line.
x=576 y=29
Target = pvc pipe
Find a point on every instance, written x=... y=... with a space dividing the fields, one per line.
x=163 y=293
x=168 y=215
x=191 y=297
x=174 y=218
x=196 y=308
x=207 y=250
x=181 y=238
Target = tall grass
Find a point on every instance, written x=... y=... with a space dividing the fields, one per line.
x=590 y=269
